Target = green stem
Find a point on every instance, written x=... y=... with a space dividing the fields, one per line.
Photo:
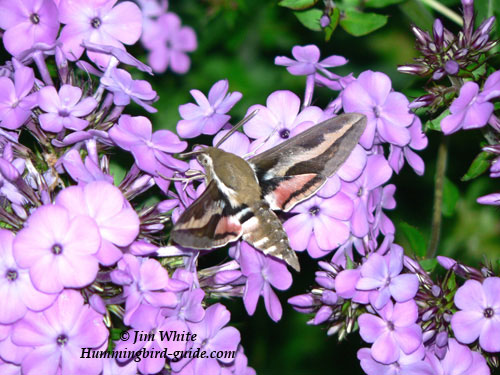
x=442 y=157
x=445 y=11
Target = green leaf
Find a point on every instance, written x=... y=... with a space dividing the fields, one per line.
x=435 y=124
x=334 y=22
x=297 y=4
x=310 y=18
x=415 y=238
x=452 y=282
x=115 y=333
x=450 y=198
x=359 y=24
x=479 y=165
x=428 y=264
x=381 y=3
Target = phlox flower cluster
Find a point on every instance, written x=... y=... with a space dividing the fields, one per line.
x=77 y=257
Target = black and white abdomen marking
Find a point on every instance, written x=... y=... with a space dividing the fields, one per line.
x=263 y=229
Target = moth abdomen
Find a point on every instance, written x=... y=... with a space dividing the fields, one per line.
x=265 y=232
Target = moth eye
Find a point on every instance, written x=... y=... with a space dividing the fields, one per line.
x=203 y=160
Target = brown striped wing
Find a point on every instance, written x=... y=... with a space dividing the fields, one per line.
x=295 y=169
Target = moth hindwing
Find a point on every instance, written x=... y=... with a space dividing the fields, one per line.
x=241 y=195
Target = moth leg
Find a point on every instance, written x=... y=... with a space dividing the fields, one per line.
x=191 y=175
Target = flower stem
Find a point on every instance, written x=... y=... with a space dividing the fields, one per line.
x=445 y=11
x=437 y=217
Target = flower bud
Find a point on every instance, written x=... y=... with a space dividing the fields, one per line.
x=438 y=32
x=468 y=15
x=415 y=69
x=423 y=37
x=451 y=67
x=324 y=21
x=423 y=101
x=442 y=339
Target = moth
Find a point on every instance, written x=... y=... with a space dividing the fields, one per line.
x=241 y=195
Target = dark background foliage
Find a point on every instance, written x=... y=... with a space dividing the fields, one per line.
x=238 y=40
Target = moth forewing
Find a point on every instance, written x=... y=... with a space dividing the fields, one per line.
x=295 y=169
x=240 y=194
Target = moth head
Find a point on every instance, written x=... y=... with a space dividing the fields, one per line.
x=205 y=160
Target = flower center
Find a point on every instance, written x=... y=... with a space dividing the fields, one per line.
x=390 y=326
x=285 y=133
x=360 y=191
x=35 y=19
x=314 y=210
x=488 y=313
x=62 y=339
x=57 y=249
x=11 y=275
x=376 y=111
x=96 y=22
x=63 y=113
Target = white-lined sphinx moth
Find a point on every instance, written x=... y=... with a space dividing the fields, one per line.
x=241 y=194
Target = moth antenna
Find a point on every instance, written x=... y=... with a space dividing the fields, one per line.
x=254 y=152
x=194 y=152
x=236 y=127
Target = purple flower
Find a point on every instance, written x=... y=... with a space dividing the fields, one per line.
x=349 y=171
x=27 y=22
x=479 y=314
x=168 y=43
x=320 y=225
x=83 y=172
x=104 y=203
x=7 y=368
x=387 y=111
x=150 y=150
x=98 y=21
x=470 y=110
x=211 y=336
x=16 y=101
x=393 y=331
x=491 y=87
x=16 y=286
x=262 y=273
x=64 y=108
x=190 y=306
x=122 y=56
x=209 y=115
x=10 y=171
x=58 y=335
x=280 y=119
x=345 y=286
x=376 y=173
x=307 y=61
x=144 y=283
x=411 y=364
x=111 y=366
x=384 y=275
x=418 y=142
x=58 y=249
x=124 y=88
x=459 y=360
x=490 y=199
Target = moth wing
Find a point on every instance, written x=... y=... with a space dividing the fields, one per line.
x=208 y=222
x=295 y=169
x=283 y=193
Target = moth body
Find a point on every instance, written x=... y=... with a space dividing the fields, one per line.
x=241 y=195
x=236 y=180
x=233 y=175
